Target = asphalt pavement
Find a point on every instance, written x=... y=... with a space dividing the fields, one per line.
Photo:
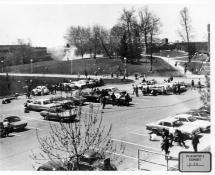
x=128 y=127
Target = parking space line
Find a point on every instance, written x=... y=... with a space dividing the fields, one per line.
x=144 y=135
x=131 y=143
x=35 y=128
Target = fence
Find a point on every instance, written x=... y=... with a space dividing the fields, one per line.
x=151 y=160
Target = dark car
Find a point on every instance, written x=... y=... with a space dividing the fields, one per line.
x=15 y=123
x=59 y=114
x=89 y=161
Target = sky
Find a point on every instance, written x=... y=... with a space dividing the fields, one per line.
x=46 y=24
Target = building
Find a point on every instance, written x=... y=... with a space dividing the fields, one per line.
x=22 y=54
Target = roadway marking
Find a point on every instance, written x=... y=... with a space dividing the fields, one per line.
x=144 y=135
x=35 y=128
x=131 y=143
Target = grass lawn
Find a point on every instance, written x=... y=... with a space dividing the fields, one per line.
x=195 y=68
x=15 y=84
x=101 y=65
x=173 y=53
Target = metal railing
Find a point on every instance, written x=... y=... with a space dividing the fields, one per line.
x=152 y=160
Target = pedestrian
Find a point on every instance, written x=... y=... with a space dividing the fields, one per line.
x=133 y=89
x=199 y=84
x=165 y=145
x=103 y=102
x=6 y=125
x=195 y=142
x=192 y=84
x=111 y=74
x=180 y=138
x=127 y=99
x=179 y=89
x=136 y=91
x=113 y=98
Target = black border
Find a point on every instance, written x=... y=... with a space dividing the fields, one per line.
x=194 y=153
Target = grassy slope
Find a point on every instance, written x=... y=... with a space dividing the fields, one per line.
x=160 y=68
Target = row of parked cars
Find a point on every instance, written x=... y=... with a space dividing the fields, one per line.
x=186 y=123
x=153 y=88
x=72 y=85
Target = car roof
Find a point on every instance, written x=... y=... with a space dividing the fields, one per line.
x=169 y=119
x=183 y=115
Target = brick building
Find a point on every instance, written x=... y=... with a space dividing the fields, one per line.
x=22 y=54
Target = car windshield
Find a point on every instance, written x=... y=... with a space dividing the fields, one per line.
x=177 y=124
x=47 y=102
x=192 y=119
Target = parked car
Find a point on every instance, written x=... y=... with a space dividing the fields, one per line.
x=8 y=99
x=59 y=114
x=171 y=124
x=89 y=161
x=40 y=105
x=16 y=123
x=81 y=83
x=192 y=120
x=39 y=90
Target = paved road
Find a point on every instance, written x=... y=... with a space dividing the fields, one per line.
x=128 y=127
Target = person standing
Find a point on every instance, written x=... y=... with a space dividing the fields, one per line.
x=136 y=91
x=133 y=88
x=6 y=127
x=199 y=84
x=113 y=98
x=180 y=138
x=127 y=99
x=195 y=142
x=192 y=84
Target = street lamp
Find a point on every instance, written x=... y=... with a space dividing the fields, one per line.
x=2 y=66
x=125 y=62
x=31 y=65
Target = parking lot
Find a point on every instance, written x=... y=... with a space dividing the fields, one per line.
x=128 y=126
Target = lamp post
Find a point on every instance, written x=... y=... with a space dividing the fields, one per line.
x=125 y=62
x=31 y=60
x=2 y=69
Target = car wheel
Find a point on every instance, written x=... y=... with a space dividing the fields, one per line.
x=3 y=102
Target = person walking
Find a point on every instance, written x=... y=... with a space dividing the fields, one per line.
x=133 y=89
x=165 y=145
x=192 y=84
x=199 y=84
x=180 y=137
x=195 y=142
x=103 y=102
x=127 y=99
x=136 y=91
x=113 y=98
x=6 y=125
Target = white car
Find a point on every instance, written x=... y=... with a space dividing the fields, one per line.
x=192 y=120
x=39 y=90
x=172 y=124
x=80 y=83
x=41 y=104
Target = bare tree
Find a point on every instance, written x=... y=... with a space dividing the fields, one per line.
x=186 y=28
x=149 y=27
x=78 y=37
x=69 y=141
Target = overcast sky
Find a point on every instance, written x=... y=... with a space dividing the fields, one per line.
x=46 y=24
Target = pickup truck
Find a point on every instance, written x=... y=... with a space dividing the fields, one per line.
x=203 y=125
x=171 y=124
x=40 y=105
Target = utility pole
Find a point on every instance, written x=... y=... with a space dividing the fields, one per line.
x=151 y=52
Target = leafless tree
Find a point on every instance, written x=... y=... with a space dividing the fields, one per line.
x=186 y=29
x=78 y=37
x=72 y=140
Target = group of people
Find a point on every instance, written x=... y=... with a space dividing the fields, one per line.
x=168 y=138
